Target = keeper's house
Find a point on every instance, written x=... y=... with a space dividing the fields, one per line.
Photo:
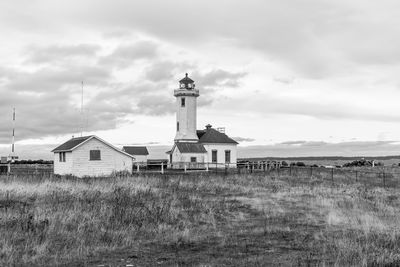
x=90 y=156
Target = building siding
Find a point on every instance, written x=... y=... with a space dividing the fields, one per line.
x=186 y=116
x=63 y=168
x=142 y=159
x=78 y=161
x=180 y=159
x=221 y=153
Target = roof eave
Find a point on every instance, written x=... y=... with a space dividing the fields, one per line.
x=62 y=150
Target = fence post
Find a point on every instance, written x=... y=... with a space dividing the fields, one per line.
x=162 y=168
x=184 y=167
x=207 y=166
x=137 y=167
x=383 y=176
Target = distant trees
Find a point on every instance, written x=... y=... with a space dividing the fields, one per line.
x=298 y=164
x=362 y=163
x=37 y=161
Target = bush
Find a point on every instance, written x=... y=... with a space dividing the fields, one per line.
x=300 y=164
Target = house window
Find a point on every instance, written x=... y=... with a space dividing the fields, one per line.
x=61 y=156
x=214 y=156
x=95 y=155
x=183 y=102
x=227 y=156
x=193 y=159
x=177 y=126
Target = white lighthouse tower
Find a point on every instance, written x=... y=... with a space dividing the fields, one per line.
x=186 y=111
x=193 y=148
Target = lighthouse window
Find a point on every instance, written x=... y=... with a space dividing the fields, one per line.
x=183 y=102
x=177 y=126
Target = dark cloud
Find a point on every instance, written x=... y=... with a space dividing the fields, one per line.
x=315 y=38
x=155 y=105
x=162 y=71
x=60 y=52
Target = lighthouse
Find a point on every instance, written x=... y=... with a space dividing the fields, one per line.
x=186 y=110
x=196 y=149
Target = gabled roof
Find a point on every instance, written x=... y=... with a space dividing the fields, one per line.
x=186 y=147
x=211 y=135
x=136 y=150
x=71 y=144
x=74 y=143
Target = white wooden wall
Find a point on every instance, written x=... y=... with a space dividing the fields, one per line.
x=78 y=161
x=111 y=160
x=221 y=152
x=63 y=168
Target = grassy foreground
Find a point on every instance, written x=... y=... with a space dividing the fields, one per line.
x=204 y=220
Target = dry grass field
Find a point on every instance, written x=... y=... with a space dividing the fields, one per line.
x=238 y=220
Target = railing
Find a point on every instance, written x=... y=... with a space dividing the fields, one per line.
x=376 y=176
x=203 y=166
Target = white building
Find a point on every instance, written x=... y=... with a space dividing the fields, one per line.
x=90 y=156
x=139 y=152
x=197 y=147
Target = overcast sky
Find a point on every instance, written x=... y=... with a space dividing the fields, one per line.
x=280 y=74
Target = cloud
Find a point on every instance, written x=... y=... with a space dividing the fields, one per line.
x=48 y=54
x=284 y=80
x=125 y=55
x=293 y=143
x=243 y=139
x=315 y=38
x=324 y=109
x=220 y=78
x=357 y=148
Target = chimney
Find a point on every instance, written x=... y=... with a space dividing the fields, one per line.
x=208 y=126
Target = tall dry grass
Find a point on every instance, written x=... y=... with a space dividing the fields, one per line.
x=204 y=219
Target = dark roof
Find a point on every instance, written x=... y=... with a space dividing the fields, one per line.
x=211 y=135
x=186 y=80
x=70 y=144
x=136 y=150
x=190 y=147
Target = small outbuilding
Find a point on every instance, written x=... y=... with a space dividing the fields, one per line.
x=139 y=152
x=90 y=156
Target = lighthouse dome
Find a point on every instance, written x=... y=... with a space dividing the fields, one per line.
x=186 y=83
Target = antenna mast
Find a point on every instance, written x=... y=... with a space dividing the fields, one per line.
x=13 y=138
x=82 y=120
